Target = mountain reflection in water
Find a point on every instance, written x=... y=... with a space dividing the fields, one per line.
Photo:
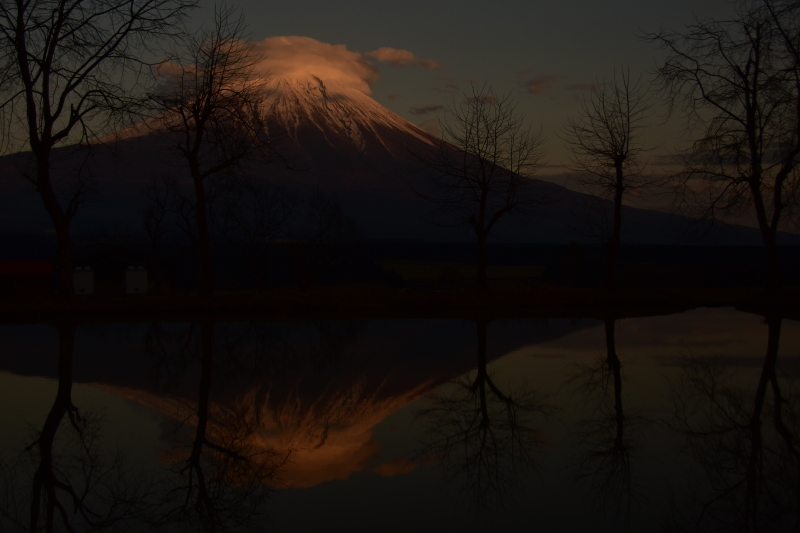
x=681 y=422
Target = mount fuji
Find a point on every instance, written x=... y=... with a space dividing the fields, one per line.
x=334 y=138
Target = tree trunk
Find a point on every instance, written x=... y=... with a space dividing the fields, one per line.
x=773 y=262
x=155 y=269
x=65 y=290
x=481 y=261
x=768 y=234
x=614 y=365
x=64 y=287
x=206 y=285
x=616 y=231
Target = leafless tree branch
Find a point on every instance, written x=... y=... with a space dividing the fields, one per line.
x=482 y=169
x=738 y=83
x=212 y=105
x=70 y=71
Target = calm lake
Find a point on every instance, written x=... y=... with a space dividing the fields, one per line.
x=403 y=425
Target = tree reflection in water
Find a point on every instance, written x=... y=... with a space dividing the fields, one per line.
x=223 y=484
x=607 y=434
x=747 y=444
x=483 y=438
x=64 y=478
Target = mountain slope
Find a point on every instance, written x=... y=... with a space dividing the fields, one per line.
x=334 y=138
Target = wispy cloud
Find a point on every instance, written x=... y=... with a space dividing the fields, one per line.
x=425 y=109
x=452 y=85
x=539 y=83
x=296 y=56
x=400 y=58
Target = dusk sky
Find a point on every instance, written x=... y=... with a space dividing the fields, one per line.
x=545 y=54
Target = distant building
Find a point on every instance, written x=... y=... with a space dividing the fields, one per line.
x=24 y=279
x=83 y=281
x=136 y=280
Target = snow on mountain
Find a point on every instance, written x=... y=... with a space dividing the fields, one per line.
x=339 y=113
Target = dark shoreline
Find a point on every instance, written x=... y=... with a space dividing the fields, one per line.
x=363 y=303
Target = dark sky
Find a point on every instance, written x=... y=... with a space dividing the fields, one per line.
x=416 y=57
x=544 y=53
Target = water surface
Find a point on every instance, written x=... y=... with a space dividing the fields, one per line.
x=396 y=425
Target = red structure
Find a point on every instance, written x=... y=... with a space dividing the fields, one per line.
x=26 y=268
x=20 y=279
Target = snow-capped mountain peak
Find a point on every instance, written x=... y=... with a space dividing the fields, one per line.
x=340 y=113
x=305 y=106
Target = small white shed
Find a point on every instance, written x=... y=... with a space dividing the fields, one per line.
x=83 y=281
x=136 y=280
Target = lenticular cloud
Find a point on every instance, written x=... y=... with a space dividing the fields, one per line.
x=296 y=57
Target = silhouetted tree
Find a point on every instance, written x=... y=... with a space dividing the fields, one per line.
x=69 y=70
x=158 y=220
x=171 y=209
x=482 y=167
x=605 y=140
x=738 y=81
x=327 y=236
x=254 y=213
x=212 y=104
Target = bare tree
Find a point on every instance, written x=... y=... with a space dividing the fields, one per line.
x=68 y=70
x=738 y=82
x=212 y=104
x=255 y=210
x=483 y=166
x=171 y=209
x=327 y=236
x=605 y=140
x=158 y=220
